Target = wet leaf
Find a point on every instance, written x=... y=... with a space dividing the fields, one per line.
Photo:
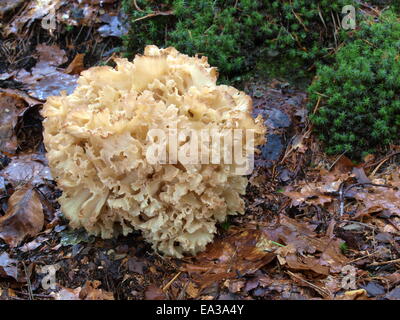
x=73 y=237
x=8 y=266
x=67 y=294
x=13 y=104
x=45 y=79
x=36 y=9
x=116 y=26
x=34 y=244
x=27 y=168
x=23 y=218
x=238 y=253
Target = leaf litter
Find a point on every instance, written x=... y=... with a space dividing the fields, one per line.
x=312 y=223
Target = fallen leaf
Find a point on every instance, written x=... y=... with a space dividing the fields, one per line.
x=34 y=244
x=235 y=286
x=153 y=292
x=192 y=291
x=23 y=218
x=50 y=55
x=8 y=266
x=360 y=294
x=89 y=291
x=13 y=104
x=238 y=253
x=135 y=265
x=360 y=175
x=76 y=66
x=67 y=294
x=116 y=26
x=25 y=168
x=304 y=250
x=378 y=199
x=36 y=9
x=45 y=79
x=394 y=294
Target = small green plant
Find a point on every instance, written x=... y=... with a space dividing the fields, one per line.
x=239 y=36
x=355 y=103
x=226 y=225
x=344 y=248
x=69 y=28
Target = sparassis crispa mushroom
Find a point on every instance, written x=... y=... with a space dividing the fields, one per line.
x=97 y=140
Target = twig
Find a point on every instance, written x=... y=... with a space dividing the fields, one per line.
x=342 y=192
x=155 y=14
x=136 y=6
x=45 y=296
x=171 y=281
x=368 y=184
x=341 y=199
x=334 y=162
x=357 y=222
x=28 y=281
x=382 y=162
x=385 y=262
x=298 y=18
x=317 y=105
x=322 y=18
x=361 y=258
x=318 y=289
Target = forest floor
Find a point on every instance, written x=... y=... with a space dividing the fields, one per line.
x=315 y=227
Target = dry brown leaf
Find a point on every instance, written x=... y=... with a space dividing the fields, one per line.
x=320 y=192
x=309 y=196
x=89 y=291
x=192 y=291
x=76 y=66
x=304 y=250
x=360 y=175
x=51 y=55
x=23 y=218
x=378 y=200
x=238 y=253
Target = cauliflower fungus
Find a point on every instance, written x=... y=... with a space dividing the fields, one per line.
x=97 y=139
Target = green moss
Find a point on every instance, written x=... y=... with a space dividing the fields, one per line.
x=275 y=37
x=359 y=95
